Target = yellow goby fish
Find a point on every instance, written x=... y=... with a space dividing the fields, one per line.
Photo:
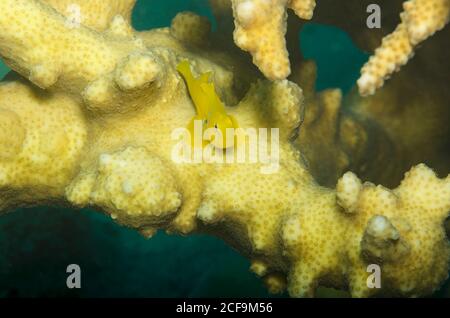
x=210 y=109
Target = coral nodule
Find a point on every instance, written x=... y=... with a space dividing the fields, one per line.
x=87 y=119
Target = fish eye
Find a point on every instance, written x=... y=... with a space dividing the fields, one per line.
x=215 y=126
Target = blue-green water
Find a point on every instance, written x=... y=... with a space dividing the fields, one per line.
x=3 y=69
x=36 y=245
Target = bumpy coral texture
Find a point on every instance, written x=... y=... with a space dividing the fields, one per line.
x=87 y=120
x=261 y=27
x=96 y=14
x=419 y=20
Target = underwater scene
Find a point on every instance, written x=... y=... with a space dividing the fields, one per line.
x=224 y=148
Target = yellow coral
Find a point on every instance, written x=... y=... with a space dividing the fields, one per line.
x=96 y=14
x=401 y=226
x=190 y=28
x=260 y=29
x=303 y=8
x=95 y=130
x=420 y=20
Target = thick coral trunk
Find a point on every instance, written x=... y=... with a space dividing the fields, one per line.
x=101 y=134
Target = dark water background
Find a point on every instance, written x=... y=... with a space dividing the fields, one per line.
x=36 y=245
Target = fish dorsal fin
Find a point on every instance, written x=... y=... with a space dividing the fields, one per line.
x=215 y=104
x=205 y=77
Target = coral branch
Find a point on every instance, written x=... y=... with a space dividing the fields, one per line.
x=260 y=29
x=420 y=20
x=36 y=129
x=303 y=8
x=100 y=68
